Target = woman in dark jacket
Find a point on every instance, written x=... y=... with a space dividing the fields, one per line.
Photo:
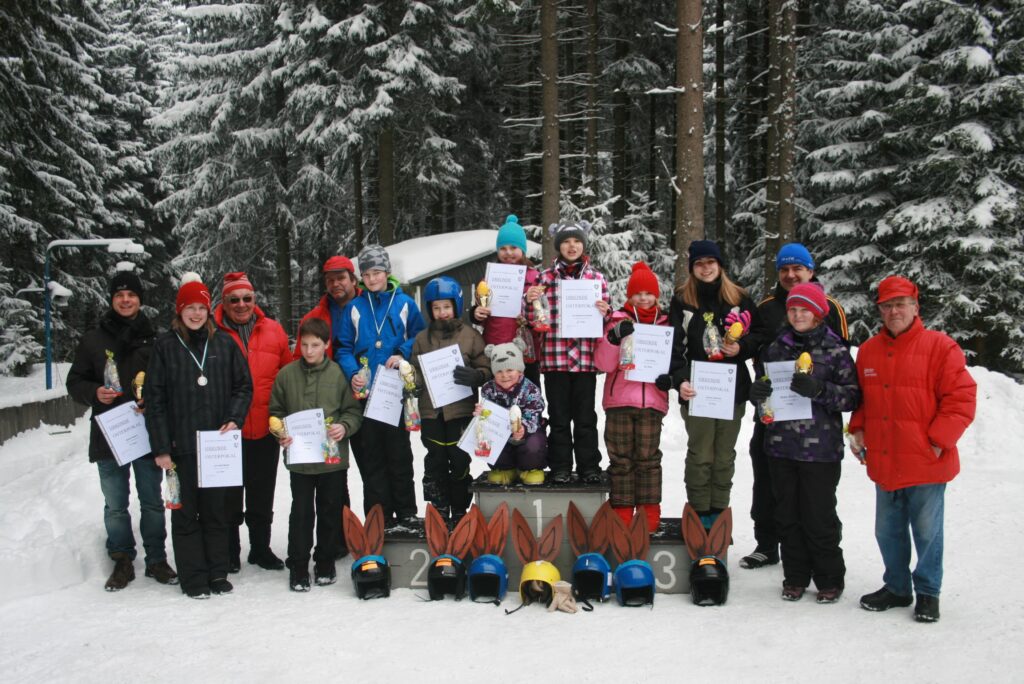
x=710 y=300
x=197 y=380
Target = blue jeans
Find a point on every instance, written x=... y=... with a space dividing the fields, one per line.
x=918 y=511
x=117 y=520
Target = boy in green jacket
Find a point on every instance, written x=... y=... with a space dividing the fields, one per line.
x=315 y=382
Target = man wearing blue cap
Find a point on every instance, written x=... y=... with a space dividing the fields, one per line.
x=794 y=266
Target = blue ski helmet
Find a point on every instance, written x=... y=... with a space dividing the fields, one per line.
x=634 y=583
x=592 y=577
x=371 y=576
x=443 y=287
x=488 y=577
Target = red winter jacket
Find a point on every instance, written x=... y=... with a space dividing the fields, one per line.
x=917 y=392
x=268 y=353
x=618 y=391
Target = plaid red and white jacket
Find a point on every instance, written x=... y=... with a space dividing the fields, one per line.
x=575 y=355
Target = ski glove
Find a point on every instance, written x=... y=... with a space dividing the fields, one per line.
x=741 y=317
x=623 y=328
x=663 y=382
x=562 y=598
x=806 y=385
x=760 y=390
x=470 y=377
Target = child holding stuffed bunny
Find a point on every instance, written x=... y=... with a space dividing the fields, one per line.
x=633 y=410
x=805 y=456
x=570 y=376
x=315 y=382
x=525 y=454
x=446 y=475
x=511 y=246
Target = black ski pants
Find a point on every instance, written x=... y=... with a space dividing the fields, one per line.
x=762 y=500
x=316 y=502
x=572 y=421
x=384 y=458
x=445 y=467
x=199 y=529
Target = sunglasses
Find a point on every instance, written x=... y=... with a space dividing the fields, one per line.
x=247 y=299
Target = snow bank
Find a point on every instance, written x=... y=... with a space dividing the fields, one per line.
x=32 y=387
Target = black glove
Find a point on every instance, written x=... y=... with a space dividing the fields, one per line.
x=470 y=377
x=663 y=382
x=623 y=328
x=806 y=385
x=760 y=390
x=413 y=393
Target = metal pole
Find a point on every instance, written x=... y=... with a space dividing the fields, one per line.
x=46 y=320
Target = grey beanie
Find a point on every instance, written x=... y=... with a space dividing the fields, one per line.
x=577 y=229
x=508 y=356
x=374 y=258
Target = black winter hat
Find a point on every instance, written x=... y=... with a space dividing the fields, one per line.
x=126 y=280
x=700 y=249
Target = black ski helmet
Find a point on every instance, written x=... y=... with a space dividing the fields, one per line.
x=371 y=576
x=709 y=581
x=446 y=575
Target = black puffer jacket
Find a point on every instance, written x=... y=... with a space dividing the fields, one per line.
x=131 y=340
x=176 y=406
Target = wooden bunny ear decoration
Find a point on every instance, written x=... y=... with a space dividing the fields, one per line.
x=458 y=544
x=593 y=538
x=364 y=539
x=701 y=543
x=630 y=543
x=490 y=537
x=527 y=547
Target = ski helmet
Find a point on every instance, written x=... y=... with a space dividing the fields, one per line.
x=371 y=576
x=443 y=287
x=634 y=583
x=446 y=575
x=536 y=582
x=709 y=581
x=592 y=577
x=488 y=576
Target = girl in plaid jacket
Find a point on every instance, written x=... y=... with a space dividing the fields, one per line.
x=570 y=376
x=633 y=410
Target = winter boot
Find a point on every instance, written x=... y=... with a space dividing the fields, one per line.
x=325 y=573
x=653 y=513
x=624 y=512
x=162 y=572
x=298 y=579
x=124 y=572
x=501 y=476
x=266 y=559
x=759 y=559
x=221 y=585
x=883 y=599
x=532 y=477
x=927 y=608
x=791 y=592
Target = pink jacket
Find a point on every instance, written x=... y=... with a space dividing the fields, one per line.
x=618 y=391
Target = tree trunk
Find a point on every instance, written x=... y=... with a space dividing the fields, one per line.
x=590 y=170
x=549 y=104
x=386 y=185
x=620 y=121
x=689 y=131
x=282 y=235
x=779 y=208
x=652 y=148
x=357 y=197
x=720 y=203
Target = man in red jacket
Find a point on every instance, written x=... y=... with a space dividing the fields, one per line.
x=918 y=401
x=265 y=346
x=341 y=286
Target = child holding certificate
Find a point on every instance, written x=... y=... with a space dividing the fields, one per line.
x=806 y=455
x=511 y=246
x=633 y=410
x=703 y=309
x=446 y=476
x=315 y=382
x=197 y=380
x=570 y=376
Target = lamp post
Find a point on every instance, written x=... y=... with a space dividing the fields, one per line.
x=113 y=245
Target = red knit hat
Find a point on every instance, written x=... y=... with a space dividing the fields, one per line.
x=235 y=281
x=192 y=291
x=895 y=286
x=811 y=296
x=643 y=280
x=339 y=263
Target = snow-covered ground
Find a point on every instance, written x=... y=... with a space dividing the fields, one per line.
x=57 y=623
x=32 y=387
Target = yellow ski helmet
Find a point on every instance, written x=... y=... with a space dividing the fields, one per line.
x=537 y=580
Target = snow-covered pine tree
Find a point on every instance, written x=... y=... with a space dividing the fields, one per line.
x=18 y=348
x=229 y=157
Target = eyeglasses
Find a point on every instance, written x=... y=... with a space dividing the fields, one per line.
x=892 y=306
x=247 y=299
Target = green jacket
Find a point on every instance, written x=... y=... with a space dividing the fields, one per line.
x=299 y=387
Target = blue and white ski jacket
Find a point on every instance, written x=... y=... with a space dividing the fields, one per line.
x=393 y=311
